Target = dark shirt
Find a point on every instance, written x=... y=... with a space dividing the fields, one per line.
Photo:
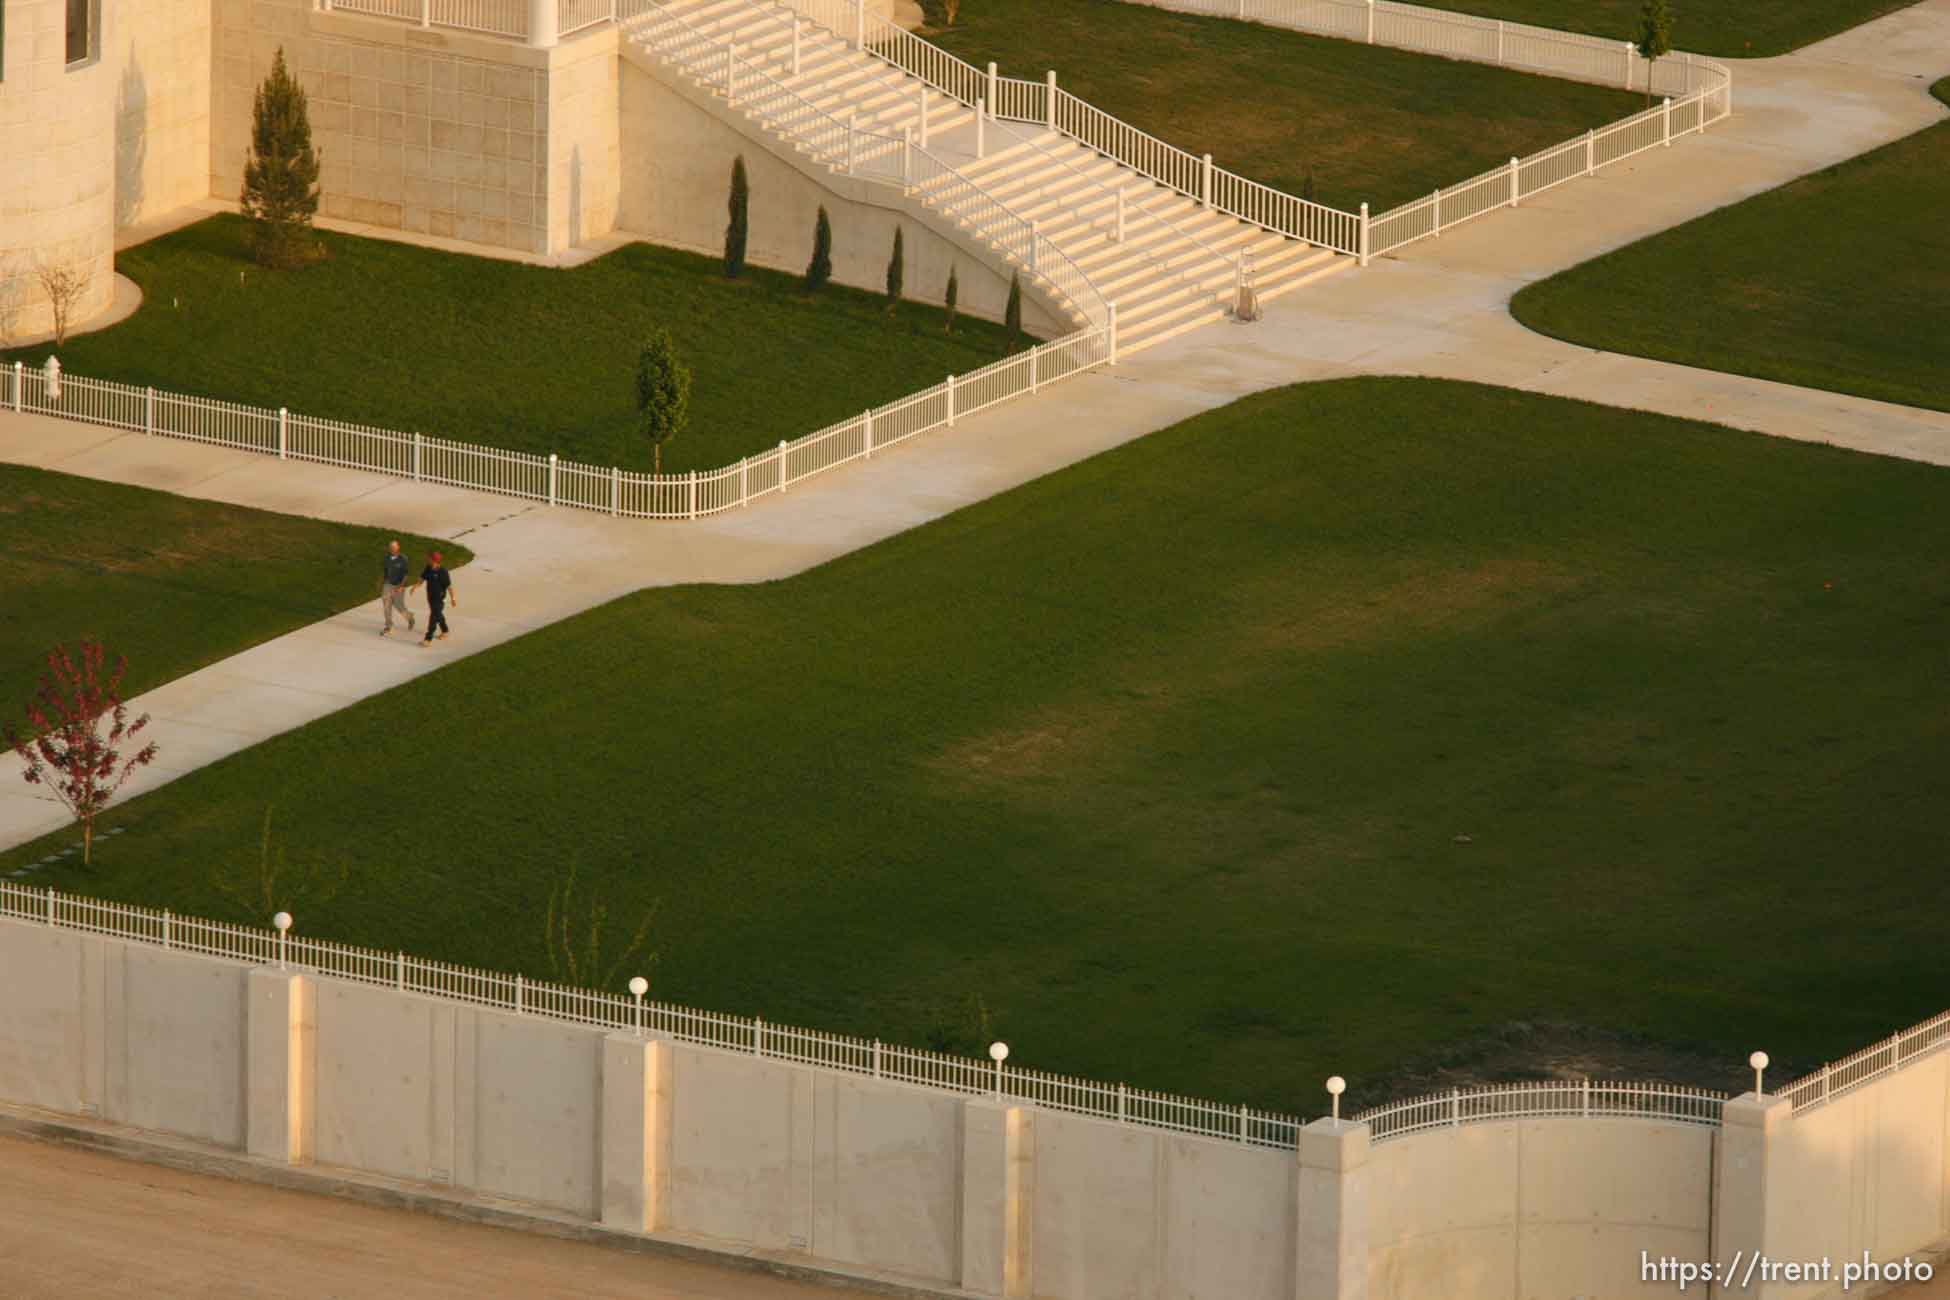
x=435 y=576
x=395 y=570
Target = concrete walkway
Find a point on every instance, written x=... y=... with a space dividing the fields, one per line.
x=1440 y=308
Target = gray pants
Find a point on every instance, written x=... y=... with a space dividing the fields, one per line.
x=391 y=598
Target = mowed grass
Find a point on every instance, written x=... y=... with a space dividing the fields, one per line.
x=170 y=583
x=1838 y=280
x=1309 y=735
x=1373 y=125
x=1734 y=28
x=529 y=358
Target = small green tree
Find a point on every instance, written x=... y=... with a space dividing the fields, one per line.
x=736 y=232
x=574 y=933
x=1654 y=40
x=1012 y=314
x=820 y=269
x=280 y=169
x=953 y=298
x=896 y=271
x=663 y=394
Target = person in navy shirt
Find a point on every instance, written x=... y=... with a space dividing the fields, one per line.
x=440 y=589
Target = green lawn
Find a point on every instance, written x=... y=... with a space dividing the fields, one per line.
x=524 y=357
x=170 y=583
x=1374 y=125
x=1310 y=735
x=1837 y=280
x=1734 y=28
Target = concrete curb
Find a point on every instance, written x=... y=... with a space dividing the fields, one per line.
x=389 y=1194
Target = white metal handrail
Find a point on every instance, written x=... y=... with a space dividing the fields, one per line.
x=1578 y=1097
x=405 y=973
x=1873 y=1062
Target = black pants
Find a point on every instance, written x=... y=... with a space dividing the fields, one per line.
x=436 y=618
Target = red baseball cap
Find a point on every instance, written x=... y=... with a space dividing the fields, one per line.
x=436 y=557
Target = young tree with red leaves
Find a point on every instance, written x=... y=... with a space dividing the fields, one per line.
x=65 y=749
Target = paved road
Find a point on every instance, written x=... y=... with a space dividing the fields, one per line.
x=80 y=1223
x=1438 y=309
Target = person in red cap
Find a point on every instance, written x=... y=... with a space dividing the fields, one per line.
x=440 y=587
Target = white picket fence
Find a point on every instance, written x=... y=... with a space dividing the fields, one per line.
x=421 y=458
x=1871 y=1063
x=1580 y=1098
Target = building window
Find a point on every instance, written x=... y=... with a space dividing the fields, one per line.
x=84 y=30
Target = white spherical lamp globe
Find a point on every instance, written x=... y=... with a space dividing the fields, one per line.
x=639 y=986
x=998 y=1052
x=282 y=921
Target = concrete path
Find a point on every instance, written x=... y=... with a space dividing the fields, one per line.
x=83 y=1223
x=1440 y=308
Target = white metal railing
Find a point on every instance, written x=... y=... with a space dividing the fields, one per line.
x=864 y=1056
x=1873 y=1062
x=490 y=17
x=1577 y=1097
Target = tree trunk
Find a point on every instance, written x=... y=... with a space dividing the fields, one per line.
x=87 y=840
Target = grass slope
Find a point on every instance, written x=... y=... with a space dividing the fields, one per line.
x=524 y=357
x=1735 y=28
x=1376 y=125
x=1317 y=731
x=171 y=583
x=1837 y=280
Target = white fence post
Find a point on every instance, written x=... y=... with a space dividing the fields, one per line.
x=951 y=401
x=1033 y=370
x=416 y=456
x=1113 y=333
x=1666 y=114
x=866 y=429
x=20 y=384
x=693 y=494
x=521 y=998
x=1455 y=1107
x=399 y=970
x=50 y=907
x=615 y=490
x=744 y=481
x=782 y=467
x=907 y=156
x=1035 y=238
x=851 y=128
x=981 y=128
x=149 y=410
x=426 y=13
x=1628 y=64
x=1499 y=42
x=1591 y=152
x=1049 y=101
x=1364 y=234
x=1205 y=181
x=1371 y=22
x=551 y=478
x=1436 y=228
x=795 y=44
x=758 y=1036
x=1513 y=182
x=284 y=432
x=165 y=927
x=859 y=24
x=876 y=1058
x=731 y=74
x=995 y=89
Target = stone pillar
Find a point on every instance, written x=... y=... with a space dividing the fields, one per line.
x=1748 y=1190
x=1332 y=1254
x=281 y=1030
x=544 y=23
x=998 y=1197
x=636 y=1131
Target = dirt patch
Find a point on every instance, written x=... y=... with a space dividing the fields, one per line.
x=1526 y=1051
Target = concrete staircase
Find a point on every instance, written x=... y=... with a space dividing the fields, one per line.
x=1169 y=265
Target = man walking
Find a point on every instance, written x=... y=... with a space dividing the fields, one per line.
x=392 y=588
x=439 y=586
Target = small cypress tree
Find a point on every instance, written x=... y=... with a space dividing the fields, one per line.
x=1012 y=315
x=1654 y=39
x=280 y=169
x=896 y=271
x=954 y=298
x=663 y=394
x=736 y=232
x=820 y=269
